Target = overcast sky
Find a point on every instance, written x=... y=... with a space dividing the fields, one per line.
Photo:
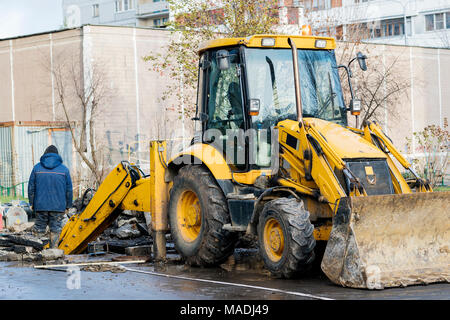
x=20 y=17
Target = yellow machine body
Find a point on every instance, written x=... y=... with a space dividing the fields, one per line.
x=376 y=241
x=101 y=211
x=382 y=230
x=123 y=189
x=280 y=42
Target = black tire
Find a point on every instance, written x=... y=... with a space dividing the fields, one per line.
x=297 y=254
x=213 y=245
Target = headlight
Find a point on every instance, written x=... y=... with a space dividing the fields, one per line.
x=321 y=44
x=267 y=42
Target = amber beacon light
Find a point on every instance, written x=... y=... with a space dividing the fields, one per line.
x=306 y=30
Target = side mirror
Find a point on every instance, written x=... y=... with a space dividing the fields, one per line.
x=254 y=105
x=355 y=107
x=362 y=61
x=223 y=59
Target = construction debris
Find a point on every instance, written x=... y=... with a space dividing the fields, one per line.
x=15 y=215
x=99 y=266
x=128 y=235
x=127 y=231
x=243 y=259
x=103 y=268
x=111 y=244
x=24 y=246
x=25 y=239
x=5 y=207
x=44 y=255
x=52 y=254
x=139 y=251
x=132 y=258
x=22 y=249
x=21 y=227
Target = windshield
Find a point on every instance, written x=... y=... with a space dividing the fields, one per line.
x=271 y=80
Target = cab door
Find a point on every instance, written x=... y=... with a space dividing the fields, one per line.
x=223 y=107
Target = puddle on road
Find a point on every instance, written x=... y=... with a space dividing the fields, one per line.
x=244 y=267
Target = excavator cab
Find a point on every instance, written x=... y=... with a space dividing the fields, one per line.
x=233 y=78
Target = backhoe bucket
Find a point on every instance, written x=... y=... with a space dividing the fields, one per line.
x=390 y=241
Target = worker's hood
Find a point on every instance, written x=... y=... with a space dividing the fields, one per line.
x=51 y=160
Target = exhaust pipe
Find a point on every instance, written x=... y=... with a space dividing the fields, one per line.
x=298 y=94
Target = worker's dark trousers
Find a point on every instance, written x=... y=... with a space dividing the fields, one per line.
x=52 y=219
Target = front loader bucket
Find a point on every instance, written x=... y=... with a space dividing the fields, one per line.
x=390 y=241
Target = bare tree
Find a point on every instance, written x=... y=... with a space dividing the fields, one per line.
x=380 y=88
x=199 y=21
x=444 y=37
x=80 y=95
x=433 y=143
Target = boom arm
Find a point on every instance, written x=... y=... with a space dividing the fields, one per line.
x=123 y=189
x=101 y=211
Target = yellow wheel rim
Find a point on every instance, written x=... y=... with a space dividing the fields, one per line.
x=189 y=216
x=273 y=239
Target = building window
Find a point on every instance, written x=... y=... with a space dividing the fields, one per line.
x=95 y=10
x=437 y=21
x=156 y=22
x=376 y=33
x=429 y=22
x=317 y=4
x=408 y=26
x=388 y=28
x=394 y=27
x=119 y=7
x=124 y=5
x=127 y=4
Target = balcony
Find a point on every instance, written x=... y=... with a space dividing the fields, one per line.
x=153 y=9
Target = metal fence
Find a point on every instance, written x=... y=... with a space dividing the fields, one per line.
x=21 y=147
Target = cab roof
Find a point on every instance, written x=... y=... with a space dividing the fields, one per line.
x=281 y=41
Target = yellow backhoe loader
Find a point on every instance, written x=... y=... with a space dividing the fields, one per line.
x=273 y=159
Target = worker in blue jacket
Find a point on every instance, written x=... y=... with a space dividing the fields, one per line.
x=50 y=193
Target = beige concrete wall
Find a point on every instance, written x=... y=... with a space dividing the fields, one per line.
x=32 y=82
x=444 y=62
x=6 y=103
x=133 y=110
x=398 y=118
x=29 y=90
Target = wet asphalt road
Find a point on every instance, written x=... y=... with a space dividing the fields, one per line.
x=24 y=282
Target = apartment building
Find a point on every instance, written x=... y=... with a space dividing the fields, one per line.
x=155 y=13
x=136 y=13
x=405 y=22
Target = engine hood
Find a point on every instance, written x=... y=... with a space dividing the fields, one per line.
x=347 y=144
